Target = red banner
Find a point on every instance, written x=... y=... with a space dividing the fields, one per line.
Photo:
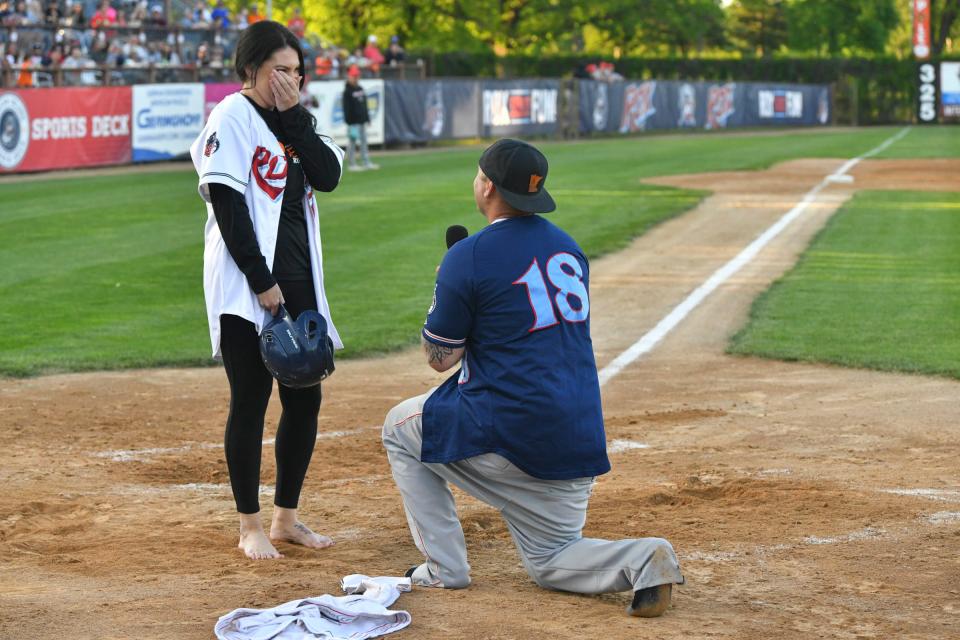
x=921 y=29
x=64 y=128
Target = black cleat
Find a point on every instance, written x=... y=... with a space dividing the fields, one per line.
x=650 y=602
x=409 y=573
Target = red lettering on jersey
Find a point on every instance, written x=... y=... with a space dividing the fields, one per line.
x=265 y=169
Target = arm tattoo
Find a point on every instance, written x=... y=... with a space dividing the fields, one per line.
x=435 y=352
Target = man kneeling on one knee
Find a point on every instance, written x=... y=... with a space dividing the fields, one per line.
x=520 y=426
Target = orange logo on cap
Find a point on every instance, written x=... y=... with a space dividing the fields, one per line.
x=535 y=181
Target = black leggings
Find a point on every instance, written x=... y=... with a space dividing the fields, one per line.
x=250 y=388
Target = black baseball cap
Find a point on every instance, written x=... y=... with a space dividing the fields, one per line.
x=519 y=171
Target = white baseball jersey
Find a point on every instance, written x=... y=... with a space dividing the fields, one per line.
x=350 y=617
x=237 y=149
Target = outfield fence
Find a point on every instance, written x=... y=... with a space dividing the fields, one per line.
x=867 y=91
x=56 y=128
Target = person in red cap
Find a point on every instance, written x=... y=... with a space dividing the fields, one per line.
x=356 y=115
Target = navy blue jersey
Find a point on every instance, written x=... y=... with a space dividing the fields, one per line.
x=515 y=296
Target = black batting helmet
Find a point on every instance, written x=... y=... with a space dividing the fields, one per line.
x=297 y=353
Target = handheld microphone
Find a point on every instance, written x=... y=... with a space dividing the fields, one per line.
x=455 y=234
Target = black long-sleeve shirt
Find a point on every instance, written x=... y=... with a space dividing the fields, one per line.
x=355 y=104
x=308 y=159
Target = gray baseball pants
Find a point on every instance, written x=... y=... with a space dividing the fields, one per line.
x=545 y=518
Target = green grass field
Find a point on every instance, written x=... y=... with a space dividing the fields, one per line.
x=111 y=265
x=878 y=288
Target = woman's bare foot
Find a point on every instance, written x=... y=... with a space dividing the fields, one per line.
x=288 y=528
x=253 y=539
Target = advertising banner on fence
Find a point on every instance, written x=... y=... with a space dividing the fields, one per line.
x=167 y=118
x=327 y=108
x=64 y=128
x=631 y=107
x=921 y=29
x=786 y=104
x=519 y=107
x=950 y=91
x=424 y=110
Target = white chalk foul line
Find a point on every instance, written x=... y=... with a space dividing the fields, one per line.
x=619 y=446
x=667 y=324
x=141 y=455
x=867 y=533
x=133 y=455
x=940 y=518
x=941 y=495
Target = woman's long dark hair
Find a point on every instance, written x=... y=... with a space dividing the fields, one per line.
x=258 y=42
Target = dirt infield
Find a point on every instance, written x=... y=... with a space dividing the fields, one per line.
x=803 y=501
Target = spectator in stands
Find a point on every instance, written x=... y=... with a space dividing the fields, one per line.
x=168 y=55
x=30 y=65
x=202 y=17
x=34 y=12
x=135 y=59
x=395 y=53
x=153 y=53
x=51 y=16
x=105 y=16
x=54 y=58
x=203 y=55
x=606 y=73
x=337 y=57
x=12 y=55
x=98 y=48
x=133 y=49
x=75 y=17
x=372 y=53
x=156 y=17
x=18 y=16
x=296 y=24
x=221 y=15
x=139 y=15
x=323 y=66
x=73 y=59
x=243 y=19
x=357 y=59
x=90 y=75
x=115 y=57
x=356 y=115
x=254 y=16
x=216 y=57
x=12 y=17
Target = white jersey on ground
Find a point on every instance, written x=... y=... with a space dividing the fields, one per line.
x=326 y=617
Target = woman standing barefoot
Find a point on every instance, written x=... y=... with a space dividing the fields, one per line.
x=260 y=159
